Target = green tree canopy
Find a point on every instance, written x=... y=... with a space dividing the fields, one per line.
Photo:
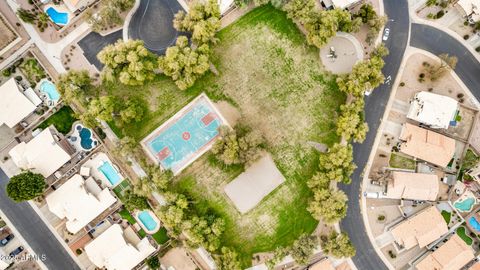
x=202 y=20
x=228 y=259
x=128 y=61
x=324 y=24
x=109 y=14
x=302 y=248
x=132 y=110
x=173 y=214
x=337 y=163
x=350 y=124
x=73 y=85
x=134 y=201
x=204 y=232
x=25 y=186
x=185 y=64
x=328 y=205
x=233 y=147
x=337 y=245
x=300 y=10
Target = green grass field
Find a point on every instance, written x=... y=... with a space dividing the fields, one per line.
x=266 y=69
x=461 y=231
x=63 y=120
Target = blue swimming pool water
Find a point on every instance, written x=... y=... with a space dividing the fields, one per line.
x=465 y=205
x=474 y=223
x=86 y=138
x=186 y=136
x=49 y=88
x=60 y=18
x=147 y=220
x=110 y=173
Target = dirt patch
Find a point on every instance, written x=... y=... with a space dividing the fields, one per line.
x=229 y=112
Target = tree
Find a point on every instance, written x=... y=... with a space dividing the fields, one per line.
x=202 y=20
x=228 y=259
x=109 y=14
x=173 y=213
x=126 y=146
x=299 y=10
x=204 y=232
x=142 y=187
x=278 y=255
x=25 y=186
x=73 y=85
x=328 y=205
x=128 y=61
x=185 y=64
x=153 y=263
x=133 y=110
x=134 y=201
x=337 y=245
x=302 y=248
x=337 y=163
x=26 y=16
x=103 y=107
x=159 y=178
x=320 y=180
x=375 y=25
x=232 y=147
x=323 y=25
x=447 y=62
x=350 y=124
x=366 y=13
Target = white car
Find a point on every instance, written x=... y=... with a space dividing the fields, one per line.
x=386 y=33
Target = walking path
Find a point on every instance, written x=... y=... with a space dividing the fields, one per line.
x=16 y=54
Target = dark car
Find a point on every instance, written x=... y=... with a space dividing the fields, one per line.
x=5 y=240
x=17 y=251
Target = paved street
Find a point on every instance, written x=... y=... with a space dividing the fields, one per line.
x=34 y=231
x=366 y=257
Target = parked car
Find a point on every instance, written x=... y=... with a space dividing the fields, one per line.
x=386 y=33
x=16 y=251
x=5 y=240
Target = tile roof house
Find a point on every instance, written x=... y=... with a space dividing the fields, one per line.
x=79 y=201
x=413 y=186
x=14 y=105
x=471 y=8
x=74 y=5
x=43 y=154
x=453 y=255
x=427 y=145
x=421 y=229
x=435 y=111
x=113 y=251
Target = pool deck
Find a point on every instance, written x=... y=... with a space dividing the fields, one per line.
x=154 y=217
x=171 y=121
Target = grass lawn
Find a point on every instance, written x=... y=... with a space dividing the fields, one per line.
x=398 y=161
x=63 y=120
x=125 y=214
x=121 y=188
x=462 y=234
x=161 y=236
x=266 y=69
x=32 y=70
x=447 y=216
x=142 y=233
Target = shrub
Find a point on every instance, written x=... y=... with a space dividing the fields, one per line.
x=477 y=49
x=466 y=37
x=78 y=251
x=421 y=75
x=402 y=84
x=6 y=72
x=381 y=218
x=153 y=263
x=391 y=254
x=440 y=14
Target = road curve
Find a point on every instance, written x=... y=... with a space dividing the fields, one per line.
x=34 y=231
x=366 y=257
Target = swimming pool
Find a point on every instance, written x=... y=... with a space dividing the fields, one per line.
x=110 y=173
x=147 y=220
x=85 y=138
x=183 y=140
x=474 y=223
x=465 y=205
x=50 y=90
x=60 y=18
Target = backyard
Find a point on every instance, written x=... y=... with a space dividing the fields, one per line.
x=401 y=162
x=63 y=120
x=266 y=69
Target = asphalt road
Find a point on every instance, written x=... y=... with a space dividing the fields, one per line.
x=93 y=43
x=437 y=42
x=34 y=231
x=366 y=257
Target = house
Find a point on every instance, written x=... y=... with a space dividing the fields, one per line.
x=115 y=250
x=420 y=230
x=475 y=266
x=74 y=5
x=453 y=255
x=341 y=4
x=14 y=105
x=413 y=186
x=470 y=9
x=44 y=154
x=79 y=201
x=435 y=111
x=427 y=145
x=225 y=5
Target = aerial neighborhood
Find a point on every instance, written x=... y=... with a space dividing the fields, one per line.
x=240 y=134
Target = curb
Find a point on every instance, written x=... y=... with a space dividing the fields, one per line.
x=128 y=18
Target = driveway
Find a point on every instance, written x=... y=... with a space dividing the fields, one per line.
x=35 y=231
x=153 y=23
x=366 y=257
x=93 y=43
